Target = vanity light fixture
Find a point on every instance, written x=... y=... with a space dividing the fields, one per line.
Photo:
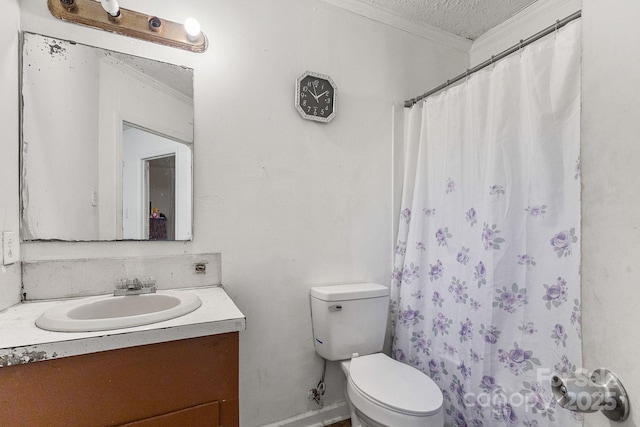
x=109 y=16
x=113 y=9
x=192 y=27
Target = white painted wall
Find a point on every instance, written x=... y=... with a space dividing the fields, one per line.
x=9 y=197
x=289 y=203
x=611 y=178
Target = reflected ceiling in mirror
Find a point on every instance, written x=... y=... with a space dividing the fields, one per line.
x=107 y=144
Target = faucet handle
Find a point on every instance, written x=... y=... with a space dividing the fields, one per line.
x=121 y=284
x=149 y=282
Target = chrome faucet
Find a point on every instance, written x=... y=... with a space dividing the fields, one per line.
x=135 y=286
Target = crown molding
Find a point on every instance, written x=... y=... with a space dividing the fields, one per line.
x=378 y=14
x=542 y=11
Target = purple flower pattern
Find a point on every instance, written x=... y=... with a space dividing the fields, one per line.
x=517 y=360
x=490 y=238
x=510 y=299
x=410 y=273
x=504 y=414
x=429 y=212
x=415 y=361
x=463 y=256
x=475 y=357
x=480 y=274
x=489 y=384
x=466 y=330
x=458 y=289
x=450 y=350
x=471 y=217
x=399 y=355
x=405 y=214
x=442 y=234
x=564 y=367
x=562 y=242
x=528 y=328
x=441 y=325
x=539 y=400
x=435 y=271
x=536 y=211
x=527 y=260
x=421 y=343
x=409 y=317
x=451 y=186
x=490 y=334
x=437 y=299
x=555 y=294
x=457 y=388
x=461 y=351
x=559 y=335
x=436 y=370
x=496 y=190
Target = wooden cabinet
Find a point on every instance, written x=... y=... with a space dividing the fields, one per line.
x=192 y=382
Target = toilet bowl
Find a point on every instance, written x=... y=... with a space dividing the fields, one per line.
x=383 y=392
x=349 y=324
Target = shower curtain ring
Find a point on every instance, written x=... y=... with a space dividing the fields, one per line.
x=467 y=76
x=521 y=46
x=557 y=26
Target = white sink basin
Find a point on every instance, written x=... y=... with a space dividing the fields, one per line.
x=108 y=312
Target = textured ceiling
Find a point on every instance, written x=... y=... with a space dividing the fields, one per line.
x=466 y=18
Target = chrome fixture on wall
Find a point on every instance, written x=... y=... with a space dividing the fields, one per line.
x=109 y=16
x=601 y=391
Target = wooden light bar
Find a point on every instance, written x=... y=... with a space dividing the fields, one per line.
x=129 y=23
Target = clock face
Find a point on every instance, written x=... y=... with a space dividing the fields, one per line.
x=316 y=97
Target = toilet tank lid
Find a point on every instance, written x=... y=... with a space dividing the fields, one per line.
x=349 y=291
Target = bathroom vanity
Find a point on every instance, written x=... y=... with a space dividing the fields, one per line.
x=182 y=371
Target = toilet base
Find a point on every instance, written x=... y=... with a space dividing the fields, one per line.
x=359 y=419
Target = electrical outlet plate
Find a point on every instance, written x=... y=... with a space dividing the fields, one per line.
x=10 y=248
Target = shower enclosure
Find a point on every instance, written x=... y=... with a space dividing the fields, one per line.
x=486 y=281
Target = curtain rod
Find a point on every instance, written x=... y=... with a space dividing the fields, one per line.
x=559 y=23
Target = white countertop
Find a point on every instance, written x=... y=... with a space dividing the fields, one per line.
x=21 y=341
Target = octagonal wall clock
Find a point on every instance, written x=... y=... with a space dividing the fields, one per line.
x=316 y=97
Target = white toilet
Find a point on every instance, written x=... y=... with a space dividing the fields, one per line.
x=349 y=325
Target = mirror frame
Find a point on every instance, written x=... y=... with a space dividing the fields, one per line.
x=109 y=177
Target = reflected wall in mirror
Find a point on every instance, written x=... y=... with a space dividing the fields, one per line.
x=107 y=144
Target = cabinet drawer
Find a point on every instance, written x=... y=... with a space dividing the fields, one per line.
x=206 y=415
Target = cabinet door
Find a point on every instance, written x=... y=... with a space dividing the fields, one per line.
x=206 y=415
x=116 y=387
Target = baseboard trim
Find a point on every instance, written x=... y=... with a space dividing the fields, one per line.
x=330 y=414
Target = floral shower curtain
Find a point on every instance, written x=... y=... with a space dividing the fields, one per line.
x=486 y=285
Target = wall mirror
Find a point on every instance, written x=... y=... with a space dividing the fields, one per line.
x=107 y=144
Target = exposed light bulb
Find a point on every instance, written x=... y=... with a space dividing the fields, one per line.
x=192 y=27
x=111 y=6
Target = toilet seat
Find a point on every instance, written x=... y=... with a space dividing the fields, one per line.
x=395 y=386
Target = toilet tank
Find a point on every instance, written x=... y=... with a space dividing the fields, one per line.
x=349 y=319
